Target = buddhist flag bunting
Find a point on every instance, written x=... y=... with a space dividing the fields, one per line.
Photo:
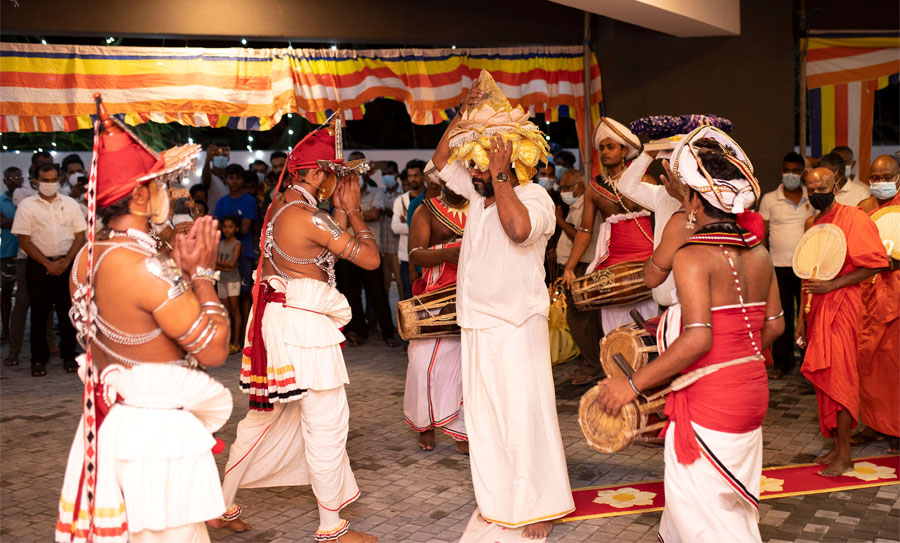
x=50 y=87
x=843 y=71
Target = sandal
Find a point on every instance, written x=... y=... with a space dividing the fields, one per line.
x=11 y=362
x=71 y=366
x=354 y=341
x=38 y=369
x=583 y=376
x=775 y=374
x=393 y=342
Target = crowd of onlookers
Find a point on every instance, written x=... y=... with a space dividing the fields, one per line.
x=43 y=225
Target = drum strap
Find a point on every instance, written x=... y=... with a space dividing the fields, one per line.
x=690 y=378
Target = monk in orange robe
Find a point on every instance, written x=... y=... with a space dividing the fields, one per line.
x=830 y=328
x=879 y=327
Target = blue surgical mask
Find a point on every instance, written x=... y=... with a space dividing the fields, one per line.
x=790 y=180
x=389 y=181
x=261 y=176
x=848 y=171
x=544 y=182
x=884 y=190
x=220 y=162
x=560 y=170
x=568 y=198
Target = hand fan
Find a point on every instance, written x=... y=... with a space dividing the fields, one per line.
x=820 y=254
x=887 y=219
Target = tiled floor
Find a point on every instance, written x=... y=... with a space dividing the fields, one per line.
x=413 y=496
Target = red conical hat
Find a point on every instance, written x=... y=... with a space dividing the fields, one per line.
x=125 y=161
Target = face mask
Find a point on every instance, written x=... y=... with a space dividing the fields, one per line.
x=220 y=161
x=159 y=203
x=362 y=182
x=820 y=200
x=884 y=190
x=261 y=176
x=791 y=180
x=389 y=181
x=568 y=197
x=48 y=189
x=544 y=182
x=560 y=170
x=848 y=169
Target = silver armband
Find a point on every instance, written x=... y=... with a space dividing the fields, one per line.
x=214 y=308
x=183 y=337
x=164 y=268
x=323 y=221
x=205 y=273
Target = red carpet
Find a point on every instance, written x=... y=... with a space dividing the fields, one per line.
x=777 y=482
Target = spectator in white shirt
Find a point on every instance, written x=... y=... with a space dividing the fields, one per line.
x=415 y=180
x=72 y=175
x=850 y=193
x=585 y=325
x=389 y=241
x=38 y=159
x=213 y=176
x=50 y=228
x=784 y=212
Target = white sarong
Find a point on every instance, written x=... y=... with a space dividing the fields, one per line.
x=303 y=439
x=155 y=467
x=433 y=397
x=516 y=452
x=716 y=498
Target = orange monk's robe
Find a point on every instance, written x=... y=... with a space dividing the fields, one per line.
x=879 y=351
x=833 y=320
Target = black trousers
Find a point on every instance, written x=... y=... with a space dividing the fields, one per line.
x=789 y=288
x=351 y=279
x=47 y=291
x=7 y=284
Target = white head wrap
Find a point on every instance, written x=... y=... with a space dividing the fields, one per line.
x=619 y=133
x=730 y=195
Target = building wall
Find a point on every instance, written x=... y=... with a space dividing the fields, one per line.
x=748 y=79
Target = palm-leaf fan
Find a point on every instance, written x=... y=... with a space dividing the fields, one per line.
x=820 y=254
x=887 y=219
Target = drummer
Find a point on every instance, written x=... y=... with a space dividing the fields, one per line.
x=626 y=233
x=433 y=397
x=730 y=307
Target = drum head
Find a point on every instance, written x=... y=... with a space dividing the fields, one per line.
x=603 y=432
x=636 y=345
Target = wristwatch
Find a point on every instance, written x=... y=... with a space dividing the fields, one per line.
x=502 y=177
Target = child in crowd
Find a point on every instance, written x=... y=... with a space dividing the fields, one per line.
x=229 y=275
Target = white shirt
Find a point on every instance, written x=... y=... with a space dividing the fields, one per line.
x=23 y=192
x=400 y=225
x=217 y=189
x=373 y=198
x=564 y=244
x=852 y=193
x=787 y=222
x=656 y=199
x=500 y=282
x=51 y=225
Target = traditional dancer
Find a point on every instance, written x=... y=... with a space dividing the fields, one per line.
x=830 y=328
x=517 y=457
x=879 y=327
x=730 y=311
x=433 y=397
x=141 y=467
x=626 y=233
x=296 y=430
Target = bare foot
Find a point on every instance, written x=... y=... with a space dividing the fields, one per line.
x=462 y=447
x=426 y=440
x=837 y=468
x=236 y=525
x=827 y=458
x=866 y=436
x=357 y=537
x=538 y=530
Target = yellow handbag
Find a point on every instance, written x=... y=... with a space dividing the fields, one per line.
x=562 y=346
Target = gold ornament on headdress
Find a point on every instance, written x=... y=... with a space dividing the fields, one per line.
x=494 y=115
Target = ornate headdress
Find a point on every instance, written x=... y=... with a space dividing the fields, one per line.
x=121 y=160
x=494 y=115
x=619 y=133
x=730 y=195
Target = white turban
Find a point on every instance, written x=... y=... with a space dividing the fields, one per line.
x=730 y=195
x=619 y=133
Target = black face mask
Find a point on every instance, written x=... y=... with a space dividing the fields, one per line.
x=821 y=200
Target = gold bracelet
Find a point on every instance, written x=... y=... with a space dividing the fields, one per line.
x=652 y=263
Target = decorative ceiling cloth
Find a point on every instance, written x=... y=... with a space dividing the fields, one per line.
x=50 y=87
x=844 y=68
